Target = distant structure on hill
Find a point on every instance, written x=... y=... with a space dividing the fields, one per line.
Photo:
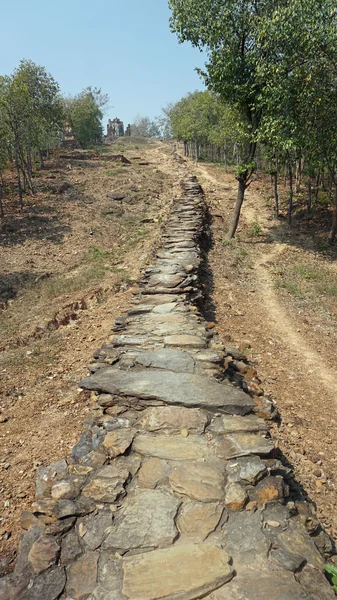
x=115 y=129
x=128 y=131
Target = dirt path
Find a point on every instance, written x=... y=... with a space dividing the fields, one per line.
x=291 y=341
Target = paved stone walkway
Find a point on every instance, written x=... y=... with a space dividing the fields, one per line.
x=173 y=491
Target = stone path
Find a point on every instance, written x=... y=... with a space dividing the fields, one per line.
x=174 y=491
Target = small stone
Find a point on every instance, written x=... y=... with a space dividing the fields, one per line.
x=108 y=484
x=152 y=473
x=198 y=481
x=235 y=497
x=82 y=576
x=28 y=520
x=270 y=489
x=197 y=521
x=66 y=490
x=43 y=553
x=117 y=442
x=71 y=548
x=249 y=469
x=147 y=520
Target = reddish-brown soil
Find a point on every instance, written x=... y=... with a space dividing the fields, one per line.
x=49 y=332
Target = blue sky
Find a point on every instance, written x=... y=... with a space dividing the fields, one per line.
x=124 y=47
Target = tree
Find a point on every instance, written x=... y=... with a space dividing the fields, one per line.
x=206 y=125
x=145 y=127
x=30 y=113
x=85 y=111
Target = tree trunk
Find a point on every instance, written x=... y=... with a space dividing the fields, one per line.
x=275 y=177
x=243 y=180
x=196 y=154
x=238 y=205
x=333 y=231
x=291 y=193
x=2 y=214
x=309 y=204
x=41 y=159
x=299 y=169
x=317 y=185
x=17 y=166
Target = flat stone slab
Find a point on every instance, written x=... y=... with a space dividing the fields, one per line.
x=196 y=521
x=199 y=482
x=147 y=520
x=183 y=572
x=165 y=309
x=174 y=419
x=173 y=447
x=243 y=444
x=167 y=358
x=260 y=584
x=234 y=424
x=172 y=388
x=184 y=340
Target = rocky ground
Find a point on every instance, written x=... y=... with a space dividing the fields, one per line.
x=175 y=472
x=56 y=315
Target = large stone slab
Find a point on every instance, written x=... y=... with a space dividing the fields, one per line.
x=172 y=388
x=199 y=482
x=173 y=419
x=167 y=358
x=185 y=341
x=147 y=520
x=183 y=572
x=173 y=447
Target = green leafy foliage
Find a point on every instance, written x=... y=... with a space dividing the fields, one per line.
x=85 y=111
x=332 y=571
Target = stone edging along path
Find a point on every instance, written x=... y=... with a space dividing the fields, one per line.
x=174 y=490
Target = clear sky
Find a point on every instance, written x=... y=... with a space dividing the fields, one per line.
x=124 y=47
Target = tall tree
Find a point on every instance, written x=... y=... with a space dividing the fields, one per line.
x=251 y=46
x=85 y=111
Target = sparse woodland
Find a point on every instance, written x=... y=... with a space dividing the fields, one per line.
x=32 y=117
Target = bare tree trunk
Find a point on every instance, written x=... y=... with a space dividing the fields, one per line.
x=17 y=166
x=238 y=206
x=243 y=180
x=309 y=203
x=333 y=231
x=41 y=159
x=299 y=170
x=291 y=193
x=275 y=178
x=318 y=176
x=2 y=214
